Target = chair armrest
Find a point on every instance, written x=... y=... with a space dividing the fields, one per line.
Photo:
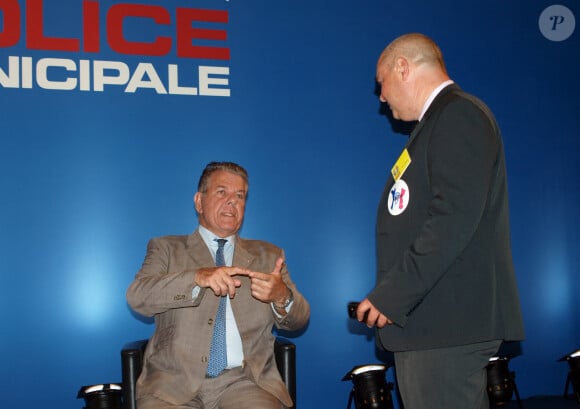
x=285 y=353
x=131 y=365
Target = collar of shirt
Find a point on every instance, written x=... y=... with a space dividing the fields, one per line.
x=209 y=240
x=435 y=92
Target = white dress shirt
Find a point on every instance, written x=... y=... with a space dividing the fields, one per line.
x=435 y=92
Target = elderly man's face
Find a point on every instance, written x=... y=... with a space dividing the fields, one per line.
x=398 y=89
x=221 y=208
x=388 y=81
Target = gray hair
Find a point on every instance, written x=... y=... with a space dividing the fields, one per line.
x=215 y=166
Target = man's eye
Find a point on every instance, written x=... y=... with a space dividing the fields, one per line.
x=241 y=196
x=220 y=192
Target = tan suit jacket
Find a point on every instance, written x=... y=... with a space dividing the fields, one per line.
x=176 y=358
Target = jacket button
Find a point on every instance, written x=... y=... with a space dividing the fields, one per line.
x=210 y=321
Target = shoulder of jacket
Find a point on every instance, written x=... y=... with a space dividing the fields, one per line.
x=171 y=240
x=257 y=245
x=171 y=237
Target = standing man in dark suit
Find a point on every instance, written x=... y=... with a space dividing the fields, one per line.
x=446 y=294
x=181 y=283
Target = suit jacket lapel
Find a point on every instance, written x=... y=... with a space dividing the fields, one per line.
x=242 y=257
x=198 y=251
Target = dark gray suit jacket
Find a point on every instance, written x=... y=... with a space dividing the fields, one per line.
x=444 y=272
x=176 y=358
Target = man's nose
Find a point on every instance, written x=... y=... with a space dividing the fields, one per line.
x=232 y=200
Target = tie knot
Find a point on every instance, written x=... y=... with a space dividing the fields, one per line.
x=219 y=255
x=221 y=242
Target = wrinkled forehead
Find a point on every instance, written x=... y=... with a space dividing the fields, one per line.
x=225 y=178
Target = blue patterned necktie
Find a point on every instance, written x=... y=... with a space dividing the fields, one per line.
x=217 y=353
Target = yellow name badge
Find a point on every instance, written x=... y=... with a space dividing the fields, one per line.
x=401 y=165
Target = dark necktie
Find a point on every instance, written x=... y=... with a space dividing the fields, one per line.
x=217 y=352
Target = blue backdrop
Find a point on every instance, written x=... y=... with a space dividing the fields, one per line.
x=101 y=150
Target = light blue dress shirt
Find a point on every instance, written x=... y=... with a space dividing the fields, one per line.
x=234 y=348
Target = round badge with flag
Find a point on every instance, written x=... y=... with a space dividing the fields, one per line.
x=398 y=198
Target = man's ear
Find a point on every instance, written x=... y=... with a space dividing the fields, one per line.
x=197 y=202
x=402 y=67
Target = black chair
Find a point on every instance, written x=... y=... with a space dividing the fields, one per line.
x=132 y=362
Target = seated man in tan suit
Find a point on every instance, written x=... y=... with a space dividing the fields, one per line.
x=181 y=283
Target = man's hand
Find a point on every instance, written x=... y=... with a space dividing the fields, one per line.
x=374 y=318
x=221 y=280
x=269 y=287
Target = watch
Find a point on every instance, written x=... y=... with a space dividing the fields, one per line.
x=287 y=302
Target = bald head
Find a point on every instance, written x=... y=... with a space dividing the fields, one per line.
x=416 y=48
x=408 y=71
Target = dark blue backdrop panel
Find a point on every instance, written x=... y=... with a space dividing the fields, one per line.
x=88 y=176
